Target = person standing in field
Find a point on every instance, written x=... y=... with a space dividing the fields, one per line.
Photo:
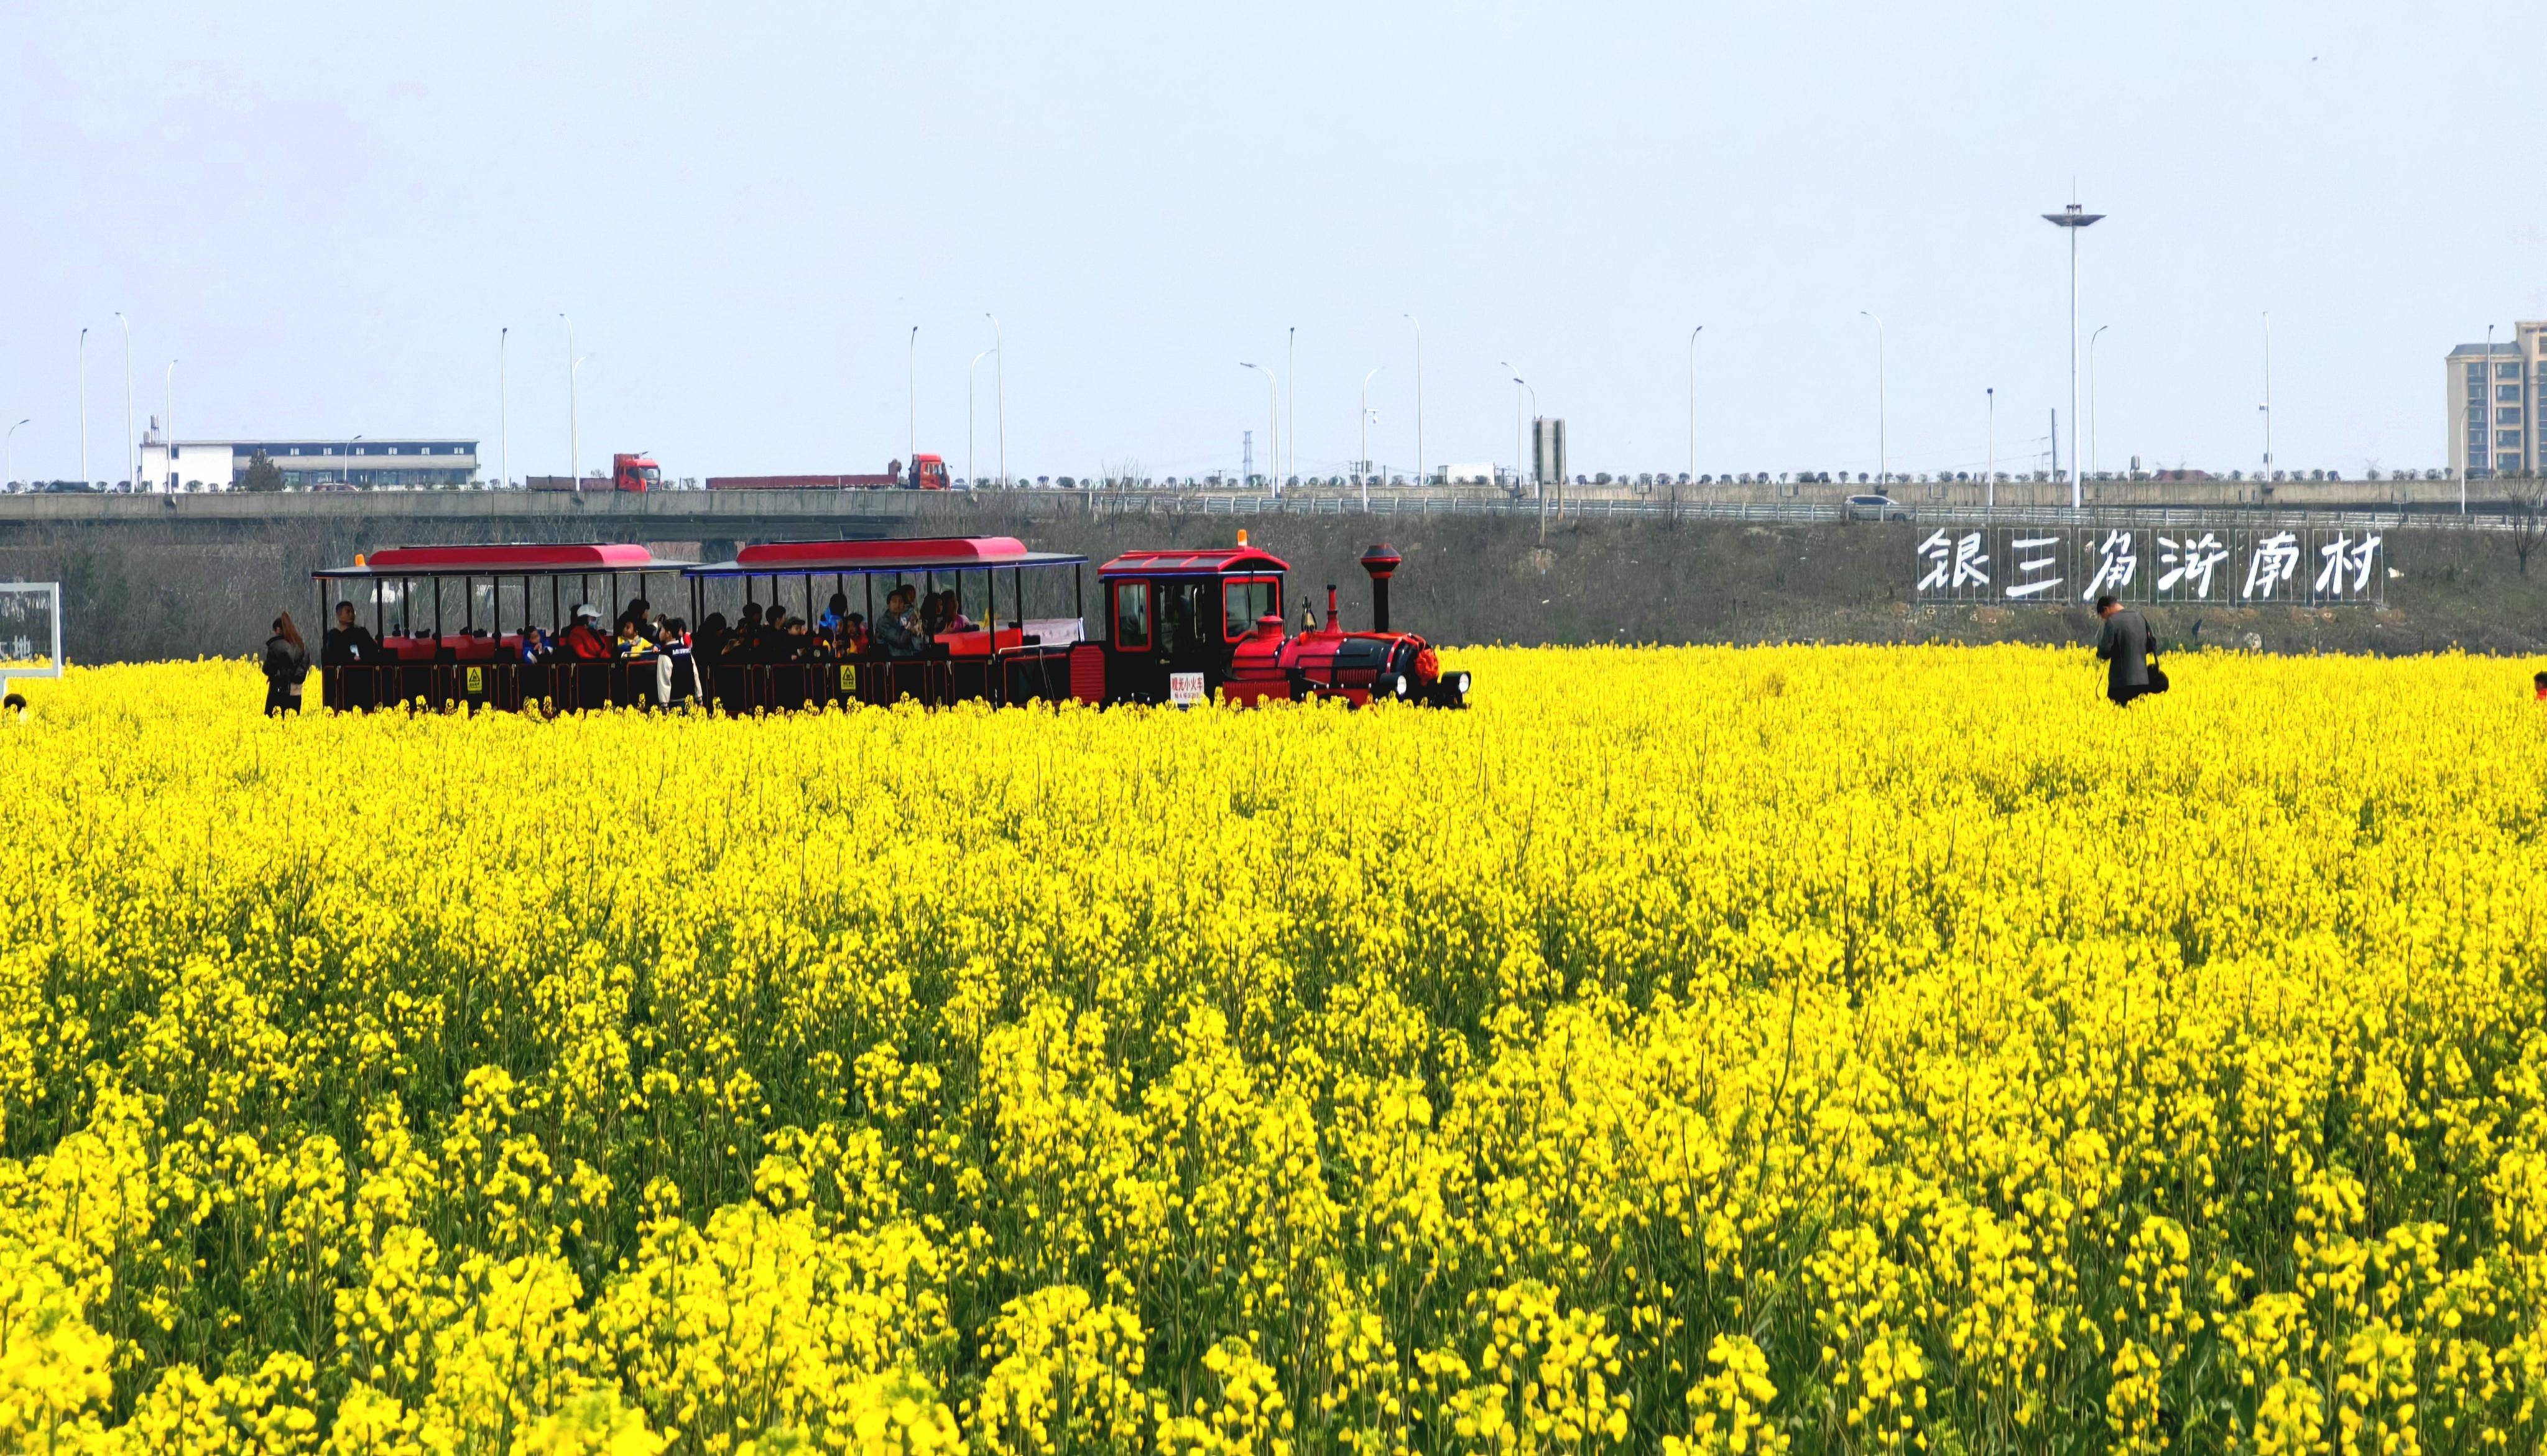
x=287 y=663
x=2124 y=647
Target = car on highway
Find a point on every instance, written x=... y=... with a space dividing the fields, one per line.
x=1876 y=508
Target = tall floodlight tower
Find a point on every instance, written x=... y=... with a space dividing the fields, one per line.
x=2072 y=220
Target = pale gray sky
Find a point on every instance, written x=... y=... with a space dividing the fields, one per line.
x=327 y=210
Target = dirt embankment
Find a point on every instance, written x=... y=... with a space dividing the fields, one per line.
x=157 y=590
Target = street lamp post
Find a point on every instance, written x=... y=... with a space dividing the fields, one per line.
x=574 y=439
x=1989 y=470
x=1363 y=466
x=2267 y=405
x=910 y=408
x=1693 y=399
x=132 y=473
x=503 y=406
x=1882 y=448
x=1291 y=403
x=1274 y=408
x=86 y=483
x=1518 y=387
x=2073 y=220
x=1000 y=372
x=168 y=425
x=1419 y=396
x=969 y=477
x=4 y=452
x=2092 y=464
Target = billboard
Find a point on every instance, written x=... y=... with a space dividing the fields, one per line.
x=2162 y=566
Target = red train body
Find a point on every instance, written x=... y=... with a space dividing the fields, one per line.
x=1179 y=627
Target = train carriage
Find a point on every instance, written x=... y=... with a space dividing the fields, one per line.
x=466 y=652
x=1011 y=655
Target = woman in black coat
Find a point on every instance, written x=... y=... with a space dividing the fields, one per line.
x=287 y=663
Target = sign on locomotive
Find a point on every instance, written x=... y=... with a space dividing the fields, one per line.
x=825 y=622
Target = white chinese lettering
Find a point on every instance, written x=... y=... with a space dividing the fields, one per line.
x=2035 y=566
x=2365 y=557
x=2276 y=560
x=2329 y=577
x=2190 y=561
x=1938 y=550
x=2115 y=563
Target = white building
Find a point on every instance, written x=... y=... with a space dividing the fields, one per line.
x=221 y=465
x=2495 y=403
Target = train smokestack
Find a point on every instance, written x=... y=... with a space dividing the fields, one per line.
x=1381 y=562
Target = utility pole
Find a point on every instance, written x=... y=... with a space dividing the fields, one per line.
x=86 y=483
x=2268 y=386
x=1989 y=472
x=2073 y=220
x=168 y=433
x=1693 y=399
x=132 y=473
x=573 y=440
x=1291 y=403
x=1882 y=445
x=2092 y=465
x=503 y=406
x=1000 y=367
x=1419 y=398
x=1363 y=466
x=911 y=405
x=969 y=477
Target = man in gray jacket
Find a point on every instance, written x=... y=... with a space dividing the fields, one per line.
x=2125 y=646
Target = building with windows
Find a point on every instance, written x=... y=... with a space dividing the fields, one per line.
x=411 y=461
x=2497 y=397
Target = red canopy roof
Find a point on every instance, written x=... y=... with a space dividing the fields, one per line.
x=590 y=557
x=1234 y=558
x=908 y=551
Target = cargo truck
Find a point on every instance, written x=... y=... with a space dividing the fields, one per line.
x=627 y=472
x=928 y=472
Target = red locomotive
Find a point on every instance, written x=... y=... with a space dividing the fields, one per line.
x=1176 y=626
x=1183 y=623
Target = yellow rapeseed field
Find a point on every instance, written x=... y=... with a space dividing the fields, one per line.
x=1847 y=1050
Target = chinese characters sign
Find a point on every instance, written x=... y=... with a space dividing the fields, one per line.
x=31 y=629
x=2162 y=564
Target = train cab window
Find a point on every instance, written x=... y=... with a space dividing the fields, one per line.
x=1132 y=614
x=1245 y=599
x=1183 y=625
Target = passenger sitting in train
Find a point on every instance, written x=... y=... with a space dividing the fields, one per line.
x=851 y=636
x=630 y=640
x=835 y=612
x=583 y=641
x=536 y=648
x=709 y=644
x=348 y=643
x=897 y=628
x=742 y=643
x=948 y=617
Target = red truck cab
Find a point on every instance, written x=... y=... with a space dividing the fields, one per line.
x=635 y=473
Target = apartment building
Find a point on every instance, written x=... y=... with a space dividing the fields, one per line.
x=2497 y=396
